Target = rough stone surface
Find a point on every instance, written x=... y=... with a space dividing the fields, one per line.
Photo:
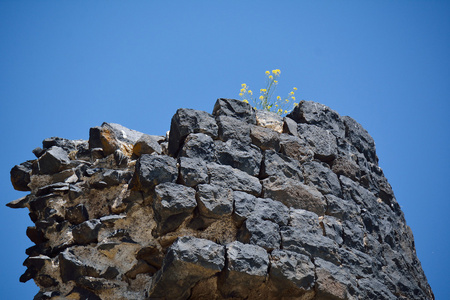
x=236 y=204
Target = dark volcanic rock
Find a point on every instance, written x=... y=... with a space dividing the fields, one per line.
x=246 y=269
x=241 y=156
x=200 y=146
x=199 y=258
x=186 y=121
x=154 y=169
x=193 y=171
x=214 y=201
x=20 y=176
x=293 y=274
x=172 y=204
x=236 y=109
x=322 y=142
x=53 y=160
x=147 y=144
x=237 y=204
x=314 y=113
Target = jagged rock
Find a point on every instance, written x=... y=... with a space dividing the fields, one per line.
x=35 y=235
x=293 y=274
x=241 y=156
x=246 y=205
x=240 y=204
x=332 y=229
x=214 y=201
x=346 y=166
x=186 y=121
x=314 y=113
x=275 y=164
x=263 y=233
x=77 y=214
x=86 y=232
x=152 y=170
x=19 y=203
x=20 y=176
x=320 y=176
x=265 y=138
x=246 y=269
x=147 y=144
x=322 y=142
x=232 y=128
x=200 y=146
x=172 y=204
x=293 y=193
x=314 y=245
x=235 y=179
x=52 y=161
x=304 y=219
x=235 y=109
x=333 y=282
x=196 y=258
x=72 y=268
x=81 y=293
x=111 y=137
x=360 y=138
x=193 y=171
x=295 y=148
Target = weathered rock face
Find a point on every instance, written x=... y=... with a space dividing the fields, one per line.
x=237 y=204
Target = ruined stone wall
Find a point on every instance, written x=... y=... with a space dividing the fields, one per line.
x=231 y=205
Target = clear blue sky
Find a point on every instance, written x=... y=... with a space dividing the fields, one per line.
x=66 y=66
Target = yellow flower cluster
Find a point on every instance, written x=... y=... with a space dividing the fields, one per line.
x=280 y=106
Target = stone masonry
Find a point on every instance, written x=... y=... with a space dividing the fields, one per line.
x=237 y=204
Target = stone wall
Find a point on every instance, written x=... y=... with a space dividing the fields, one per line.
x=237 y=204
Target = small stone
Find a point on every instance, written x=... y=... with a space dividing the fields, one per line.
x=146 y=144
x=293 y=193
x=86 y=232
x=20 y=176
x=322 y=142
x=292 y=273
x=199 y=146
x=154 y=169
x=290 y=126
x=53 y=160
x=77 y=214
x=232 y=128
x=199 y=258
x=240 y=156
x=236 y=109
x=263 y=233
x=186 y=121
x=265 y=138
x=193 y=171
x=214 y=201
x=246 y=268
x=172 y=204
x=235 y=179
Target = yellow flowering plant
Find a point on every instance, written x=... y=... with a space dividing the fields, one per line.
x=279 y=105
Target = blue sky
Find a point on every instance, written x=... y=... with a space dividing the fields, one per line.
x=66 y=66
